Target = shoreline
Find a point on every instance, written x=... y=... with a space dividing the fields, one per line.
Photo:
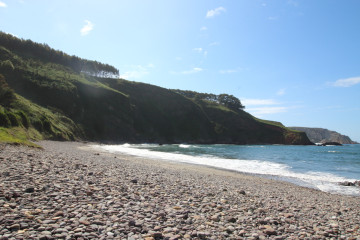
x=208 y=168
x=321 y=185
x=70 y=191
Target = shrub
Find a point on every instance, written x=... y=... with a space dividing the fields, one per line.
x=13 y=119
x=46 y=124
x=24 y=119
x=4 y=120
x=6 y=93
x=7 y=65
x=38 y=125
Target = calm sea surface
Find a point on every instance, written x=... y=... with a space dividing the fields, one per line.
x=311 y=166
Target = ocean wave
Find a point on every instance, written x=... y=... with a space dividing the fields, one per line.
x=184 y=146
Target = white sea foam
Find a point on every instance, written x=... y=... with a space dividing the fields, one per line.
x=184 y=146
x=323 y=181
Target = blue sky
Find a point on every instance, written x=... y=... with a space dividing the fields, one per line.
x=293 y=61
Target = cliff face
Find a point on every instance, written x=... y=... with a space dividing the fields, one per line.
x=64 y=97
x=321 y=135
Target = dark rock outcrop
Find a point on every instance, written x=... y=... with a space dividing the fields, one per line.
x=350 y=184
x=330 y=144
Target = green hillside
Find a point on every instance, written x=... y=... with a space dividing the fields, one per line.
x=47 y=94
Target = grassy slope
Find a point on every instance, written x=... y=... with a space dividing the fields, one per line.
x=42 y=124
x=44 y=121
x=65 y=97
x=65 y=105
x=19 y=135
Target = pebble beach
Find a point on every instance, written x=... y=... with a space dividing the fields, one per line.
x=68 y=190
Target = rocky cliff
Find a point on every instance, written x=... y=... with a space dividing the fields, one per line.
x=321 y=135
x=49 y=94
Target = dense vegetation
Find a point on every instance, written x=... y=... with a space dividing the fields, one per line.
x=226 y=100
x=47 y=94
x=42 y=52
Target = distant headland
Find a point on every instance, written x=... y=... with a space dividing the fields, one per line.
x=322 y=135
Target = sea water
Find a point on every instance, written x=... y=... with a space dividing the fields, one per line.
x=319 y=167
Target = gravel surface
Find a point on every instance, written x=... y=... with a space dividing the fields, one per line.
x=68 y=191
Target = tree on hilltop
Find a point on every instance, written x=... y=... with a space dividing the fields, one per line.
x=230 y=101
x=226 y=100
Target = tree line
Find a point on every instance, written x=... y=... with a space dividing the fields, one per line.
x=226 y=100
x=47 y=54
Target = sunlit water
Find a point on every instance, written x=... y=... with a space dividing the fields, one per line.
x=311 y=166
